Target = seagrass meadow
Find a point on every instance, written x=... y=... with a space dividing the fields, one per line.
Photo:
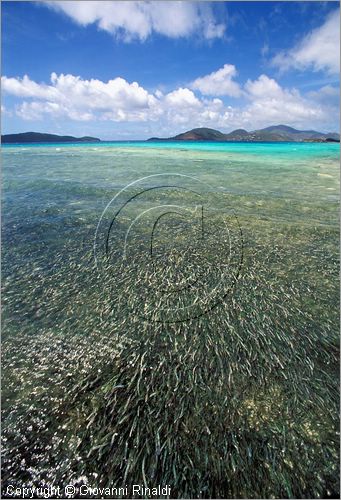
x=101 y=389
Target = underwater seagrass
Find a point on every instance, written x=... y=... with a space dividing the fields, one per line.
x=241 y=402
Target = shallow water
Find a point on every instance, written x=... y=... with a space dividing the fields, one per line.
x=274 y=333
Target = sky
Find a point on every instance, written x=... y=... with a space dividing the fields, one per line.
x=132 y=70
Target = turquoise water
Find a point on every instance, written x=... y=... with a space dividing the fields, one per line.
x=76 y=179
x=260 y=147
x=265 y=360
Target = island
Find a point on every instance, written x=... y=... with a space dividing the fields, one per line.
x=36 y=137
x=275 y=133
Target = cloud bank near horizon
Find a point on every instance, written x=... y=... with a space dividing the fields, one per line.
x=117 y=100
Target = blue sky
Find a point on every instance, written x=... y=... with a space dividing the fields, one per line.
x=129 y=70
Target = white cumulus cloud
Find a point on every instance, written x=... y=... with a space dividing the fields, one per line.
x=219 y=82
x=139 y=19
x=318 y=50
x=327 y=95
x=181 y=98
x=265 y=102
x=79 y=99
x=272 y=104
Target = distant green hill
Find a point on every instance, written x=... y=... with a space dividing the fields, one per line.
x=275 y=133
x=32 y=137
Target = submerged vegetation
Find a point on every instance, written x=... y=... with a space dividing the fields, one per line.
x=238 y=403
x=241 y=402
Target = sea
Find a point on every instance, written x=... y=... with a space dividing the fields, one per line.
x=233 y=338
